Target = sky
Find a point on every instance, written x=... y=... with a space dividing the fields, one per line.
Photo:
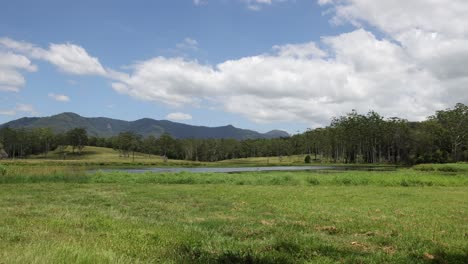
x=256 y=64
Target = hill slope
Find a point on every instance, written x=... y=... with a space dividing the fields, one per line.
x=107 y=127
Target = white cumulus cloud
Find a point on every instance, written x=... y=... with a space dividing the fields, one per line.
x=416 y=68
x=19 y=108
x=298 y=82
x=399 y=16
x=179 y=116
x=404 y=58
x=433 y=35
x=59 y=97
x=73 y=59
x=11 y=67
x=69 y=58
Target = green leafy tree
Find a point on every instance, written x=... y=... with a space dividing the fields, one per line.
x=125 y=143
x=166 y=142
x=455 y=124
x=77 y=138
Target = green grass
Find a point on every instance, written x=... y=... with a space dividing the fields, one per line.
x=63 y=214
x=97 y=154
x=401 y=177
x=452 y=167
x=227 y=224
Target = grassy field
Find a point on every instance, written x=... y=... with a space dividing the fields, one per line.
x=70 y=216
x=97 y=156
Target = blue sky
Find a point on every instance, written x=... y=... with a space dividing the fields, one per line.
x=256 y=64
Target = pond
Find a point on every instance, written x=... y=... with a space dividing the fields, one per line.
x=253 y=169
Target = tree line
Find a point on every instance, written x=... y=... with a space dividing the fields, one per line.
x=22 y=143
x=352 y=138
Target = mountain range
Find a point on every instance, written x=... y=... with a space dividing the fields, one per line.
x=107 y=127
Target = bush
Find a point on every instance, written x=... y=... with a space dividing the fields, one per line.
x=307 y=159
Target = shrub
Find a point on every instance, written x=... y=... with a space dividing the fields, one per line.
x=307 y=159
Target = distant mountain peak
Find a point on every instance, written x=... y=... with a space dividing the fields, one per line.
x=277 y=133
x=71 y=114
x=145 y=119
x=107 y=127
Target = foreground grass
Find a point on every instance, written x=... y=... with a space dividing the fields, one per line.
x=131 y=223
x=63 y=214
x=401 y=177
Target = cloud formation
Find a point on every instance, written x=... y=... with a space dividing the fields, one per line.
x=19 y=108
x=188 y=44
x=59 y=97
x=297 y=82
x=179 y=116
x=69 y=58
x=432 y=34
x=257 y=5
x=417 y=67
x=399 y=16
x=73 y=59
x=11 y=67
x=254 y=5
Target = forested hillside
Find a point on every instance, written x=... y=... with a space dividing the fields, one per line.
x=353 y=138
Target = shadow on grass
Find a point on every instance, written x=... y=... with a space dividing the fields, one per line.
x=440 y=256
x=61 y=178
x=278 y=252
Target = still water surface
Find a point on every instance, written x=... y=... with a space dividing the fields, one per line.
x=250 y=169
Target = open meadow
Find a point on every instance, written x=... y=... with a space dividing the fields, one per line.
x=62 y=213
x=234 y=131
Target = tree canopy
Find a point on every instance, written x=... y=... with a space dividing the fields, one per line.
x=352 y=138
